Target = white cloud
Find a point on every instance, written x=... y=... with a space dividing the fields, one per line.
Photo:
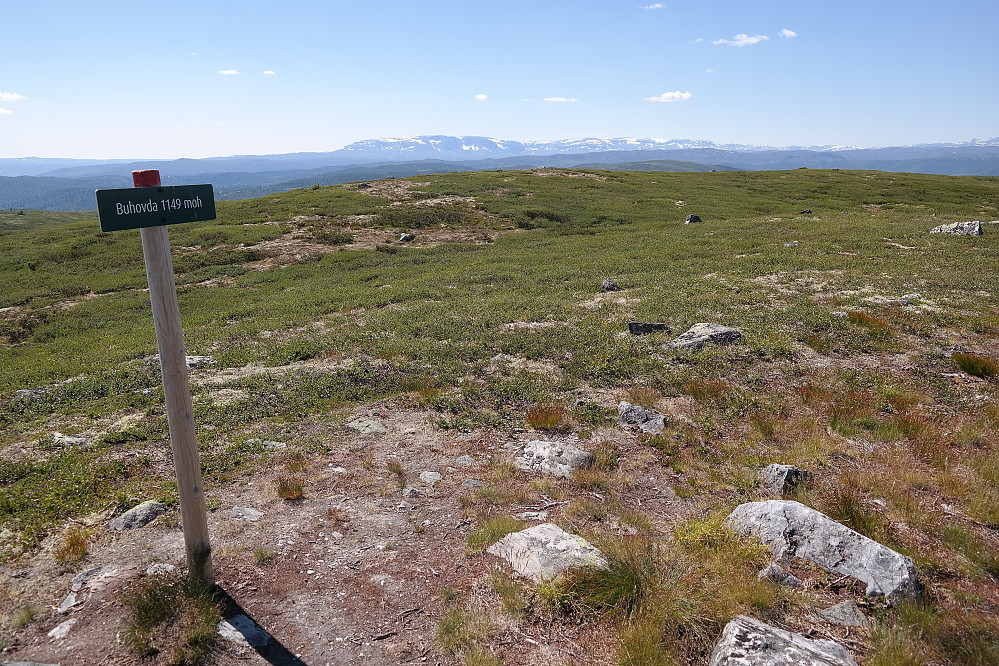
x=788 y=34
x=742 y=40
x=10 y=97
x=228 y=72
x=709 y=71
x=481 y=98
x=6 y=112
x=561 y=99
x=675 y=96
x=656 y=5
x=270 y=72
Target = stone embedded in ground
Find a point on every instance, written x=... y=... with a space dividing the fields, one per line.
x=791 y=529
x=368 y=427
x=405 y=238
x=647 y=420
x=545 y=551
x=609 y=285
x=692 y=219
x=778 y=575
x=645 y=328
x=430 y=478
x=464 y=461
x=701 y=333
x=138 y=516
x=246 y=513
x=556 y=458
x=62 y=630
x=471 y=483
x=746 y=641
x=161 y=569
x=972 y=228
x=846 y=614
x=66 y=441
x=192 y=362
x=781 y=479
x=792 y=243
x=410 y=491
x=537 y=516
x=243 y=631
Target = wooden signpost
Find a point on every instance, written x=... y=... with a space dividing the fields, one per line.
x=149 y=207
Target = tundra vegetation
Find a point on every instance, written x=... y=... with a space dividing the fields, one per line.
x=869 y=356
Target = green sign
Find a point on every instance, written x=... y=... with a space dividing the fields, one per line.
x=139 y=207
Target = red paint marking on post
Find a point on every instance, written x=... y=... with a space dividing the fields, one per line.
x=146 y=178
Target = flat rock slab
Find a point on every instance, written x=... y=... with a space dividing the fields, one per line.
x=246 y=513
x=241 y=630
x=791 y=529
x=780 y=479
x=545 y=551
x=749 y=642
x=430 y=478
x=972 y=228
x=138 y=516
x=647 y=420
x=368 y=427
x=846 y=614
x=700 y=334
x=554 y=458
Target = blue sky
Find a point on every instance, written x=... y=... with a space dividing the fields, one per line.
x=197 y=79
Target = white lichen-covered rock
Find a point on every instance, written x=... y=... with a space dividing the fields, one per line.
x=972 y=228
x=748 y=642
x=780 y=479
x=556 y=458
x=647 y=420
x=699 y=334
x=791 y=529
x=545 y=551
x=138 y=516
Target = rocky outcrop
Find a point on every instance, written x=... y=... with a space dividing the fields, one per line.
x=781 y=479
x=749 y=642
x=138 y=516
x=545 y=551
x=702 y=333
x=647 y=420
x=555 y=458
x=791 y=529
x=973 y=228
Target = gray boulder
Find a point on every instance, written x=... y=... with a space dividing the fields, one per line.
x=791 y=529
x=778 y=575
x=973 y=228
x=746 y=641
x=553 y=458
x=780 y=479
x=846 y=614
x=647 y=420
x=545 y=551
x=138 y=516
x=701 y=333
x=246 y=513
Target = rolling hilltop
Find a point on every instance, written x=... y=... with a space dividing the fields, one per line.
x=375 y=358
x=53 y=184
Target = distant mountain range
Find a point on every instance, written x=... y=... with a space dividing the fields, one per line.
x=69 y=184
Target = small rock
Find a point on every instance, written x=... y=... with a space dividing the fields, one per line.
x=778 y=575
x=405 y=238
x=912 y=297
x=792 y=244
x=410 y=491
x=647 y=420
x=243 y=631
x=540 y=516
x=973 y=228
x=67 y=441
x=62 y=630
x=471 y=483
x=339 y=470
x=749 y=642
x=138 y=516
x=807 y=211
x=68 y=603
x=545 y=551
x=246 y=513
x=693 y=219
x=644 y=328
x=846 y=614
x=368 y=427
x=781 y=479
x=161 y=569
x=609 y=285
x=553 y=458
x=464 y=461
x=839 y=313
x=430 y=478
x=80 y=579
x=701 y=333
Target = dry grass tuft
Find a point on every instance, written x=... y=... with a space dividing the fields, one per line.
x=978 y=366
x=72 y=547
x=290 y=488
x=545 y=416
